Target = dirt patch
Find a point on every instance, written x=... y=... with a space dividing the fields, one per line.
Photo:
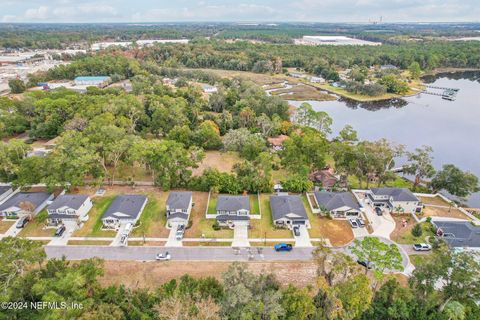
x=135 y=274
x=222 y=161
x=5 y=225
x=434 y=200
x=444 y=212
x=403 y=225
x=339 y=232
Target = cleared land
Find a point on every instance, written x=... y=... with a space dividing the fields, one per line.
x=222 y=161
x=303 y=93
x=150 y=275
x=437 y=201
x=36 y=227
x=338 y=232
x=403 y=234
x=261 y=228
x=5 y=225
x=201 y=225
x=444 y=212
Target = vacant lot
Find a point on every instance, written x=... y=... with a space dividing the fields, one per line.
x=150 y=275
x=434 y=200
x=303 y=93
x=444 y=212
x=199 y=224
x=261 y=228
x=222 y=161
x=153 y=219
x=403 y=234
x=338 y=232
x=5 y=225
x=36 y=227
x=93 y=227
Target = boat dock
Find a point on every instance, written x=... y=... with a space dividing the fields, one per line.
x=447 y=93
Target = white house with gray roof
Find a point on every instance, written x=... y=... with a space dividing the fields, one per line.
x=232 y=208
x=339 y=205
x=398 y=200
x=458 y=234
x=25 y=203
x=69 y=207
x=124 y=209
x=288 y=211
x=5 y=191
x=179 y=206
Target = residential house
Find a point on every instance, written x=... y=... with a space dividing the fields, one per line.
x=325 y=178
x=5 y=191
x=297 y=75
x=388 y=67
x=276 y=143
x=288 y=211
x=458 y=234
x=69 y=207
x=25 y=203
x=179 y=206
x=317 y=79
x=100 y=81
x=209 y=89
x=124 y=209
x=398 y=200
x=231 y=209
x=339 y=205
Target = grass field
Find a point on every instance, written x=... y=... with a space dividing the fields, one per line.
x=5 y=225
x=437 y=201
x=35 y=228
x=404 y=234
x=444 y=212
x=261 y=228
x=303 y=93
x=222 y=161
x=153 y=219
x=93 y=227
x=88 y=243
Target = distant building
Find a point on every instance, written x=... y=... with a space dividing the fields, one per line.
x=297 y=75
x=98 y=81
x=325 y=178
x=388 y=67
x=317 y=80
x=276 y=143
x=209 y=89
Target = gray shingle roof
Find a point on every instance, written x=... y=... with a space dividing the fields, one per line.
x=36 y=198
x=73 y=201
x=179 y=200
x=181 y=215
x=398 y=194
x=125 y=207
x=290 y=207
x=335 y=200
x=233 y=203
x=4 y=189
x=460 y=233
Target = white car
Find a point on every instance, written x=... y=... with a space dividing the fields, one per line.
x=353 y=223
x=163 y=256
x=422 y=247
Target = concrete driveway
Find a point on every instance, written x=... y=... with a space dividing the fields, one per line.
x=12 y=231
x=360 y=232
x=118 y=237
x=172 y=241
x=303 y=240
x=382 y=225
x=240 y=234
x=70 y=227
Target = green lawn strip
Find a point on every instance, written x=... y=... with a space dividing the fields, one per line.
x=315 y=220
x=254 y=205
x=419 y=259
x=263 y=227
x=408 y=237
x=207 y=243
x=88 y=242
x=93 y=227
x=35 y=227
x=212 y=204
x=153 y=219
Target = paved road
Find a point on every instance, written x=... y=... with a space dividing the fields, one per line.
x=181 y=254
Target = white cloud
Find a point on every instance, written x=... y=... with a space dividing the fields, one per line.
x=40 y=13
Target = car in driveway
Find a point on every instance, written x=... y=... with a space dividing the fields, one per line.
x=22 y=222
x=360 y=222
x=365 y=264
x=378 y=211
x=422 y=247
x=180 y=232
x=283 y=247
x=60 y=230
x=123 y=239
x=353 y=223
x=296 y=231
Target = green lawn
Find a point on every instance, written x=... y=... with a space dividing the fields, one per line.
x=35 y=228
x=419 y=259
x=93 y=227
x=254 y=205
x=399 y=182
x=153 y=219
x=264 y=227
x=212 y=204
x=408 y=238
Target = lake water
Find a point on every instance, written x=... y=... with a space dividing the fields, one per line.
x=451 y=128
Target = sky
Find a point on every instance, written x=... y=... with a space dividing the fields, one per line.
x=239 y=10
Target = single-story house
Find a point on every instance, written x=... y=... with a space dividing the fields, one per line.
x=458 y=233
x=340 y=205
x=276 y=143
x=98 y=81
x=69 y=207
x=124 y=209
x=388 y=67
x=317 y=80
x=209 y=89
x=325 y=177
x=25 y=203
x=5 y=191
x=179 y=206
x=398 y=200
x=288 y=211
x=232 y=208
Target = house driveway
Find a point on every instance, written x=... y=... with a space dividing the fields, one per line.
x=382 y=225
x=172 y=241
x=12 y=231
x=118 y=237
x=70 y=227
x=303 y=240
x=360 y=232
x=240 y=234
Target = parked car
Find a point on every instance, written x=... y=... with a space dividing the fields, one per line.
x=60 y=230
x=360 y=222
x=422 y=247
x=353 y=223
x=22 y=222
x=123 y=239
x=283 y=247
x=180 y=232
x=365 y=264
x=163 y=256
x=296 y=231
x=378 y=211
x=128 y=228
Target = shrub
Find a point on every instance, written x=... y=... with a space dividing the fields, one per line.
x=417 y=230
x=216 y=226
